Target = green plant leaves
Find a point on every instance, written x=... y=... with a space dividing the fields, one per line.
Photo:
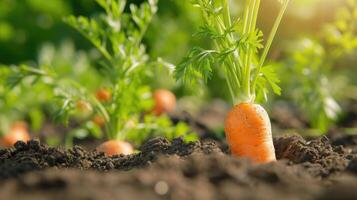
x=236 y=51
x=272 y=78
x=196 y=66
x=307 y=66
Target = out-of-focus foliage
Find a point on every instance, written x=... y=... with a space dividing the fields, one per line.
x=310 y=63
x=26 y=24
x=23 y=95
x=341 y=35
x=308 y=85
x=238 y=50
x=122 y=69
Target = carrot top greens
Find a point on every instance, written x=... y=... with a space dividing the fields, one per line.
x=237 y=45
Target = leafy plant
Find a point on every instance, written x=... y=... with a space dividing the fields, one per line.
x=310 y=88
x=310 y=63
x=237 y=43
x=236 y=52
x=340 y=35
x=117 y=35
x=28 y=92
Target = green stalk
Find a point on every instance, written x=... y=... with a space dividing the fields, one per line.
x=238 y=63
x=104 y=113
x=230 y=71
x=270 y=41
x=226 y=14
x=272 y=34
x=250 y=18
x=246 y=16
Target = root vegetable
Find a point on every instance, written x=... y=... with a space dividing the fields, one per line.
x=18 y=132
x=165 y=102
x=103 y=95
x=99 y=120
x=115 y=147
x=247 y=125
x=248 y=133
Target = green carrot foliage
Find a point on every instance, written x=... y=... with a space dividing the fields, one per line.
x=238 y=50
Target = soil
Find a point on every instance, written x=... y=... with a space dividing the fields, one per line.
x=339 y=137
x=314 y=169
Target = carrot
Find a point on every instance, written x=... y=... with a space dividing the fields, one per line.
x=165 y=102
x=115 y=147
x=99 y=120
x=18 y=132
x=248 y=133
x=103 y=95
x=247 y=125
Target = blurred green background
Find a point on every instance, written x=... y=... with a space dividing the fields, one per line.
x=26 y=24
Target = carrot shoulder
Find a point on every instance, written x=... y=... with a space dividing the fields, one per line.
x=248 y=133
x=115 y=147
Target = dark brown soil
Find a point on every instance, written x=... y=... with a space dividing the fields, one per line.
x=174 y=170
x=339 y=137
x=317 y=156
x=31 y=156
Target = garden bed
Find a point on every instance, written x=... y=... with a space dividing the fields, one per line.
x=312 y=169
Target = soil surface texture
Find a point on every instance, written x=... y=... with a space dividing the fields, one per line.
x=314 y=169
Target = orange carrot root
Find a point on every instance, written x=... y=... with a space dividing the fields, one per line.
x=18 y=132
x=103 y=95
x=165 y=102
x=115 y=147
x=248 y=133
x=99 y=120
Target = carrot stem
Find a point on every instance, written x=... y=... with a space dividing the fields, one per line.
x=270 y=41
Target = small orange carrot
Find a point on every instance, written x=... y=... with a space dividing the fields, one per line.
x=248 y=133
x=115 y=147
x=18 y=132
x=165 y=102
x=99 y=120
x=103 y=95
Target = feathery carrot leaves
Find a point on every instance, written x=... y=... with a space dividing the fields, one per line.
x=196 y=65
x=237 y=45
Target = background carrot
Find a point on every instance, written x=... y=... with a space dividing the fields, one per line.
x=248 y=133
x=99 y=120
x=18 y=132
x=115 y=147
x=165 y=101
x=103 y=95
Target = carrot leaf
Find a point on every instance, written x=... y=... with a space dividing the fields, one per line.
x=236 y=52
